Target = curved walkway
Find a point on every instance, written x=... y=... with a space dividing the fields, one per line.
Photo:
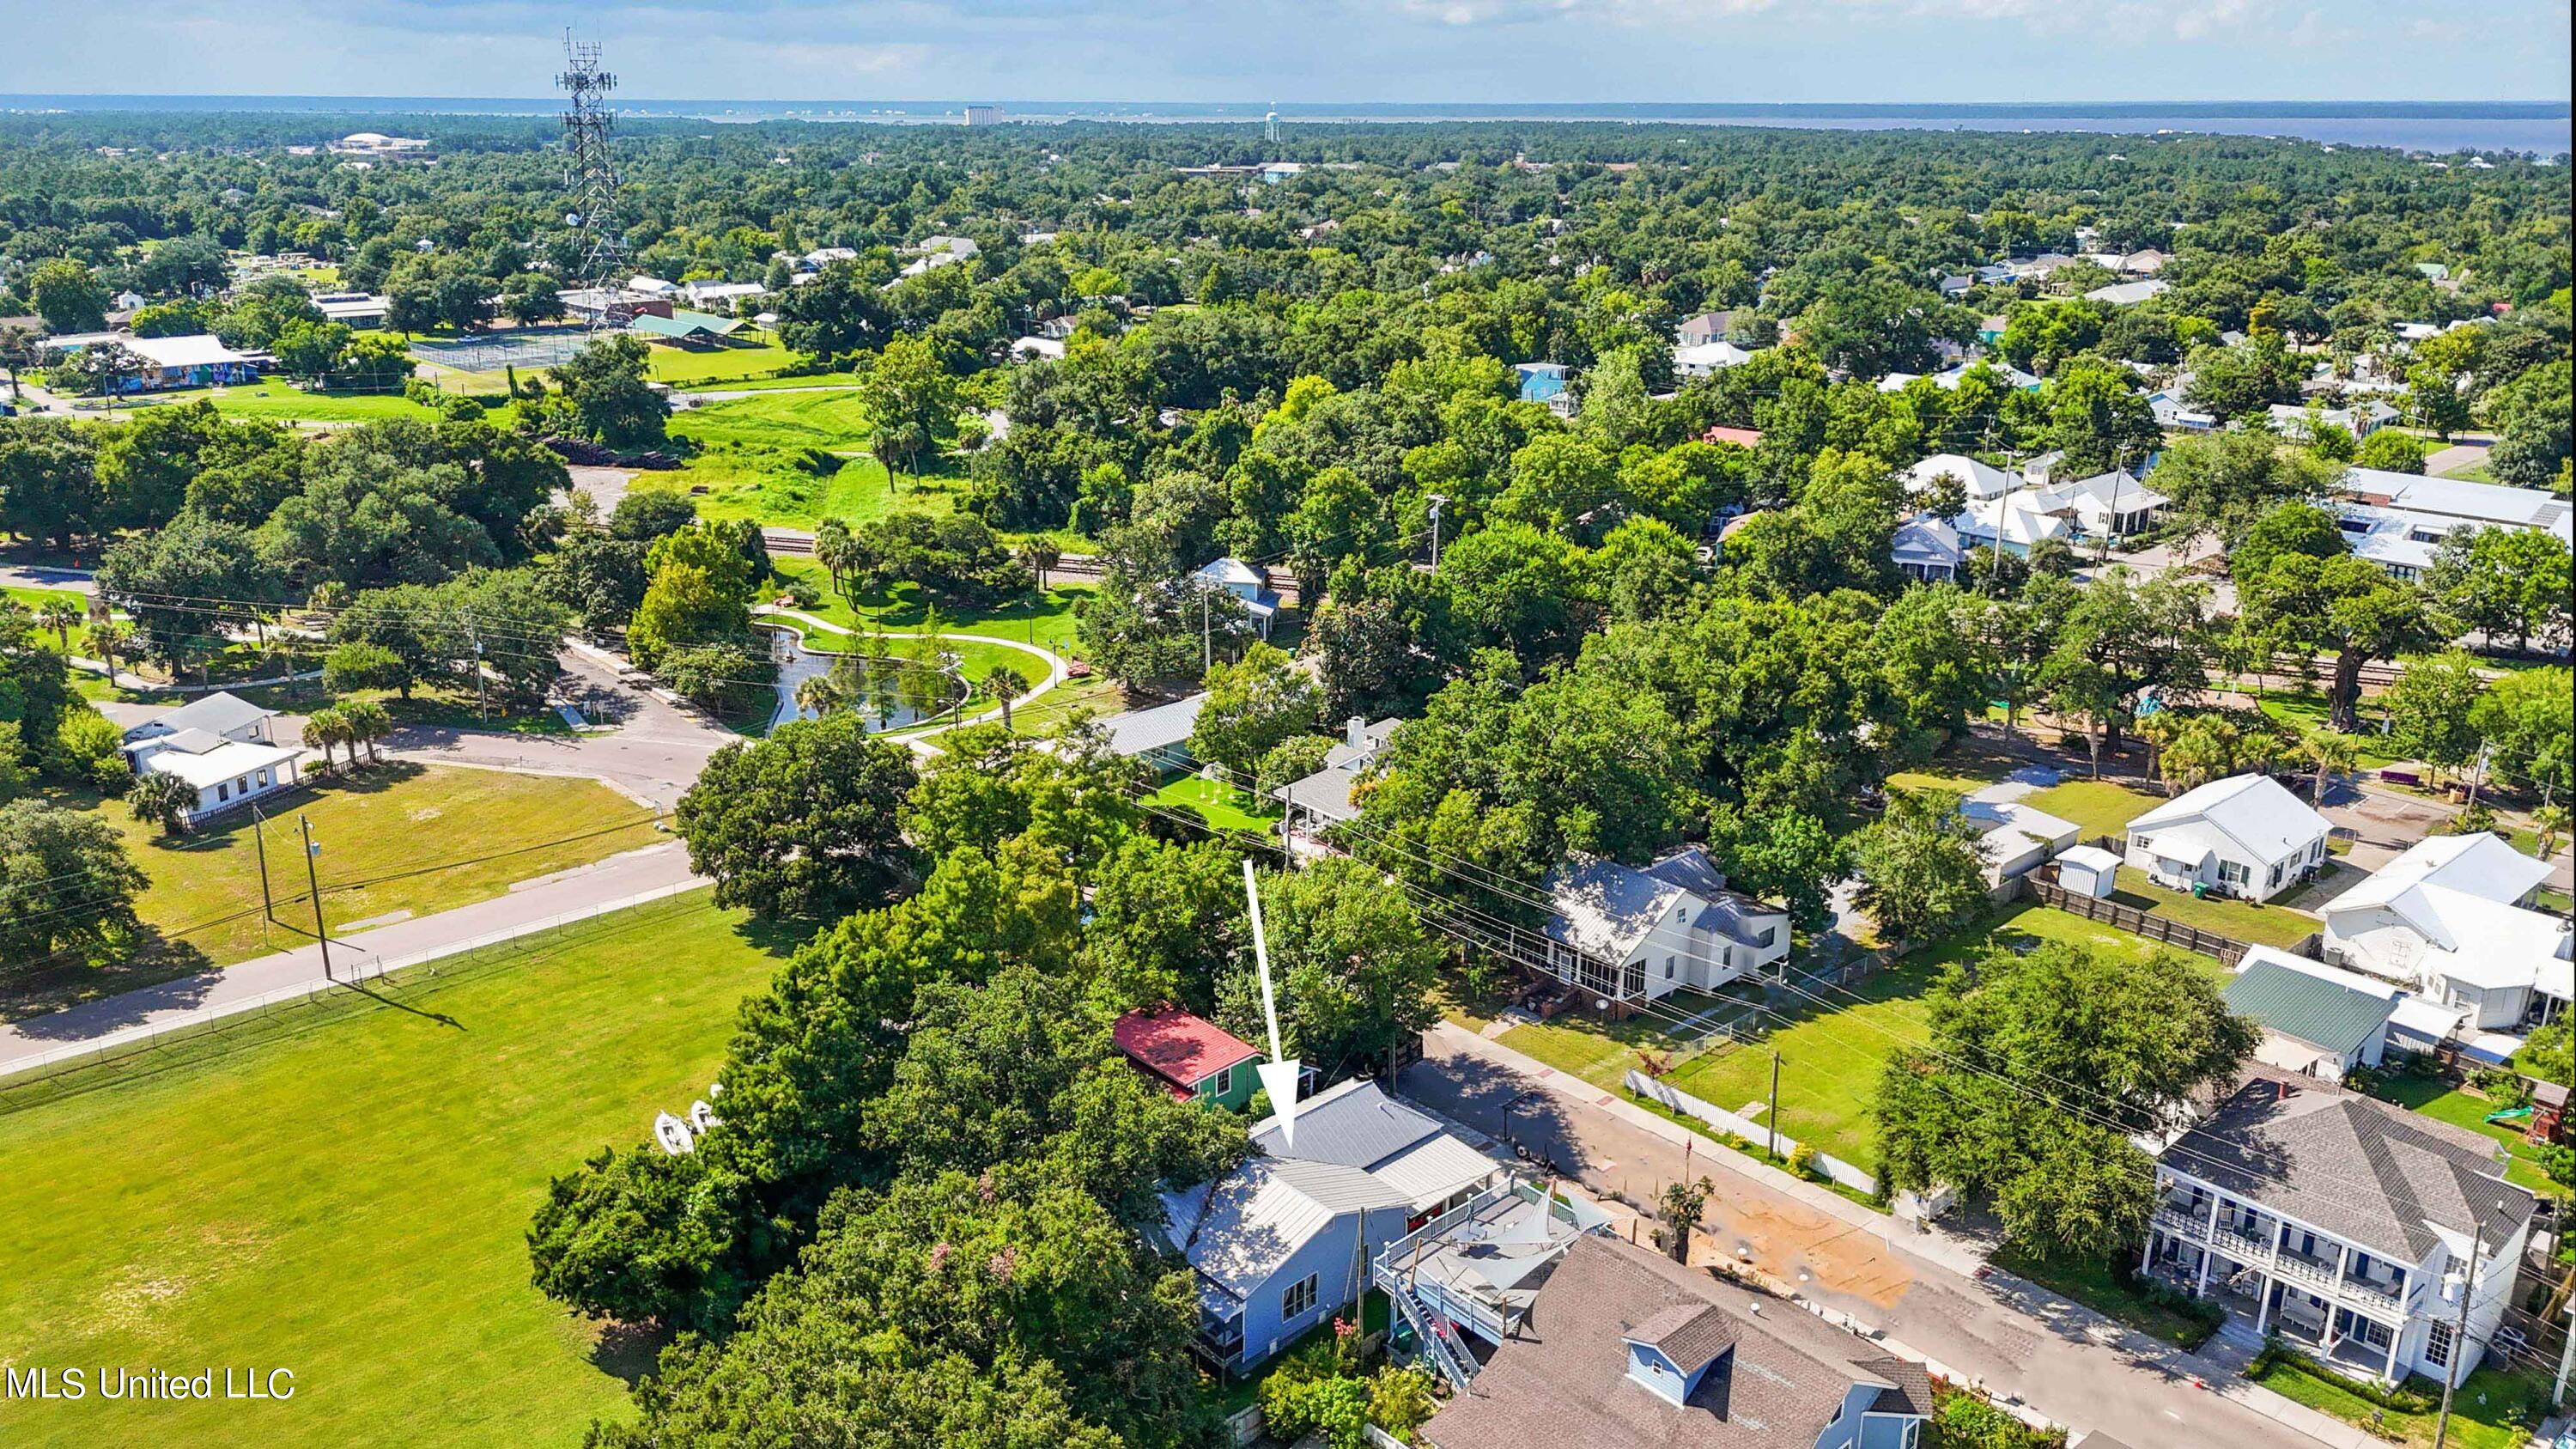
x=1056 y=671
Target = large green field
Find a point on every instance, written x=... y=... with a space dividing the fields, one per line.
x=486 y=827
x=349 y=1202
x=1047 y=622
x=1830 y=1059
x=689 y=367
x=271 y=398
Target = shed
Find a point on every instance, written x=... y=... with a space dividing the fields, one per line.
x=2089 y=870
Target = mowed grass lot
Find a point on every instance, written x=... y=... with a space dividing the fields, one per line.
x=1226 y=807
x=2099 y=806
x=350 y=1202
x=487 y=829
x=689 y=366
x=273 y=399
x=1830 y=1059
x=2460 y=1107
x=2492 y=1409
x=1046 y=621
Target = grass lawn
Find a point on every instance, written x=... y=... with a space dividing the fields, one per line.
x=685 y=365
x=389 y=819
x=271 y=398
x=2240 y=920
x=1830 y=1060
x=2460 y=1107
x=770 y=384
x=1967 y=765
x=2492 y=1409
x=2099 y=806
x=2092 y=1284
x=34 y=599
x=834 y=421
x=350 y=1201
x=1226 y=807
x=2307 y=711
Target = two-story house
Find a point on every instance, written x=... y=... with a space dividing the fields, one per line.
x=1633 y=1349
x=1629 y=936
x=2242 y=836
x=1355 y=1124
x=1278 y=1246
x=2451 y=919
x=1317 y=802
x=2345 y=1224
x=1252 y=585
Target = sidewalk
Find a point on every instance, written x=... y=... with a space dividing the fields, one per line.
x=530 y=906
x=2085 y=1398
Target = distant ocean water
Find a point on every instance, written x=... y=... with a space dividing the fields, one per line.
x=2440 y=127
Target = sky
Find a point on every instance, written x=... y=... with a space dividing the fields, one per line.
x=1319 y=51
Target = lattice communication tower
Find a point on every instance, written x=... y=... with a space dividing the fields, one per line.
x=590 y=174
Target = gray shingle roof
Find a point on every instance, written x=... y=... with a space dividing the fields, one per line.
x=1563 y=1380
x=2325 y=1014
x=1688 y=1334
x=2375 y=1174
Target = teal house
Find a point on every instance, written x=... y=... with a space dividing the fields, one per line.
x=1194 y=1057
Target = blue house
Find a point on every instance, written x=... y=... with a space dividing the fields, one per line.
x=1544 y=382
x=1279 y=1245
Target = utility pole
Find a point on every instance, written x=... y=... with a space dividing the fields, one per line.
x=482 y=709
x=1772 y=1117
x=2460 y=1331
x=312 y=878
x=1438 y=501
x=267 y=905
x=1207 y=639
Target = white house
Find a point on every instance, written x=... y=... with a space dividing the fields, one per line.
x=1983 y=480
x=2450 y=919
x=2016 y=839
x=2013 y=524
x=1314 y=803
x=1704 y=328
x=2128 y=294
x=1631 y=936
x=2112 y=505
x=2242 y=836
x=1928 y=550
x=1702 y=359
x=2361 y=419
x=222 y=746
x=2351 y=1227
x=1034 y=348
x=1251 y=585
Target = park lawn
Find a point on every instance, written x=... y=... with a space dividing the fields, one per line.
x=688 y=366
x=2308 y=713
x=2460 y=1107
x=789 y=384
x=833 y=421
x=2492 y=1409
x=349 y=1201
x=1222 y=806
x=1830 y=1060
x=2274 y=925
x=1047 y=622
x=1097 y=696
x=271 y=398
x=790 y=489
x=386 y=819
x=2098 y=807
x=2089 y=1281
x=34 y=599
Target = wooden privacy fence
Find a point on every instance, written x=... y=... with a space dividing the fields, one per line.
x=2227 y=949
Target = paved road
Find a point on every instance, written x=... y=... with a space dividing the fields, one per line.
x=2070 y=1364
x=214 y=993
x=46 y=576
x=657 y=749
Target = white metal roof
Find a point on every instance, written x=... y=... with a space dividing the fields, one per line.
x=229 y=760
x=201 y=350
x=2253 y=811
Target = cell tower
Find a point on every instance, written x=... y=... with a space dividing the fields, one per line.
x=590 y=174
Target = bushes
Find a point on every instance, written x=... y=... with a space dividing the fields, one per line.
x=2277 y=1354
x=1961 y=1420
x=1319 y=1390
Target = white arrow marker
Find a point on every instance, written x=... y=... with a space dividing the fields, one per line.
x=1278 y=1077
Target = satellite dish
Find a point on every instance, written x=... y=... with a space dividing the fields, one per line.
x=572 y=218
x=674 y=1135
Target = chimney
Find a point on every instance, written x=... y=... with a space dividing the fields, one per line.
x=1355 y=731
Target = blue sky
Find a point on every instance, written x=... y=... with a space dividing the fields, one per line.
x=1313 y=50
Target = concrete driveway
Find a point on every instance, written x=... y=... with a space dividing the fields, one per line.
x=653 y=754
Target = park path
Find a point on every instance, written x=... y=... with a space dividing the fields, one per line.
x=618 y=882
x=1057 y=671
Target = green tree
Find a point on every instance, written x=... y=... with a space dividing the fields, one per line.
x=1781 y=855
x=803 y=823
x=2344 y=606
x=2039 y=1069
x=89 y=749
x=67 y=888
x=2432 y=710
x=911 y=401
x=606 y=385
x=68 y=295
x=1253 y=705
x=2528 y=716
x=2391 y=451
x=49 y=488
x=1920 y=865
x=2503 y=582
x=1354 y=969
x=164 y=800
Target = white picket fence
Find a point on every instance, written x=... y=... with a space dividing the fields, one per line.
x=1746 y=1128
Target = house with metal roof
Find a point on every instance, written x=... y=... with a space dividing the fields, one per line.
x=1197 y=1060
x=1355 y=1124
x=1278 y=1245
x=1626 y=936
x=2451 y=919
x=1159 y=734
x=2352 y=1227
x=1983 y=480
x=2128 y=294
x=1246 y=582
x=1319 y=801
x=1621 y=1346
x=2242 y=836
x=2312 y=1024
x=222 y=746
x=1928 y=550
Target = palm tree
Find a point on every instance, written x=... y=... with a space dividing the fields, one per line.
x=1039 y=555
x=832 y=540
x=2332 y=753
x=819 y=693
x=60 y=615
x=1683 y=1205
x=366 y=722
x=324 y=728
x=109 y=640
x=2159 y=731
x=1009 y=684
x=159 y=798
x=2551 y=823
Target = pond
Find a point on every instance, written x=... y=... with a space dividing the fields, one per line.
x=888 y=692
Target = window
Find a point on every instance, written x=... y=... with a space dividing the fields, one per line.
x=1218 y=1085
x=1770 y=936
x=1632 y=978
x=2232 y=873
x=223 y=791
x=1668 y=968
x=2437 y=1349
x=1298 y=1301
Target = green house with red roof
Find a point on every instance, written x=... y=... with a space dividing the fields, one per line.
x=1195 y=1058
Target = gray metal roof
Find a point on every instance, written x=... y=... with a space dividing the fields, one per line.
x=219 y=713
x=2327 y=1015
x=1353 y=1124
x=2361 y=1169
x=1162 y=727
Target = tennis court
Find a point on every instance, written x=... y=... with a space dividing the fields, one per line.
x=532 y=347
